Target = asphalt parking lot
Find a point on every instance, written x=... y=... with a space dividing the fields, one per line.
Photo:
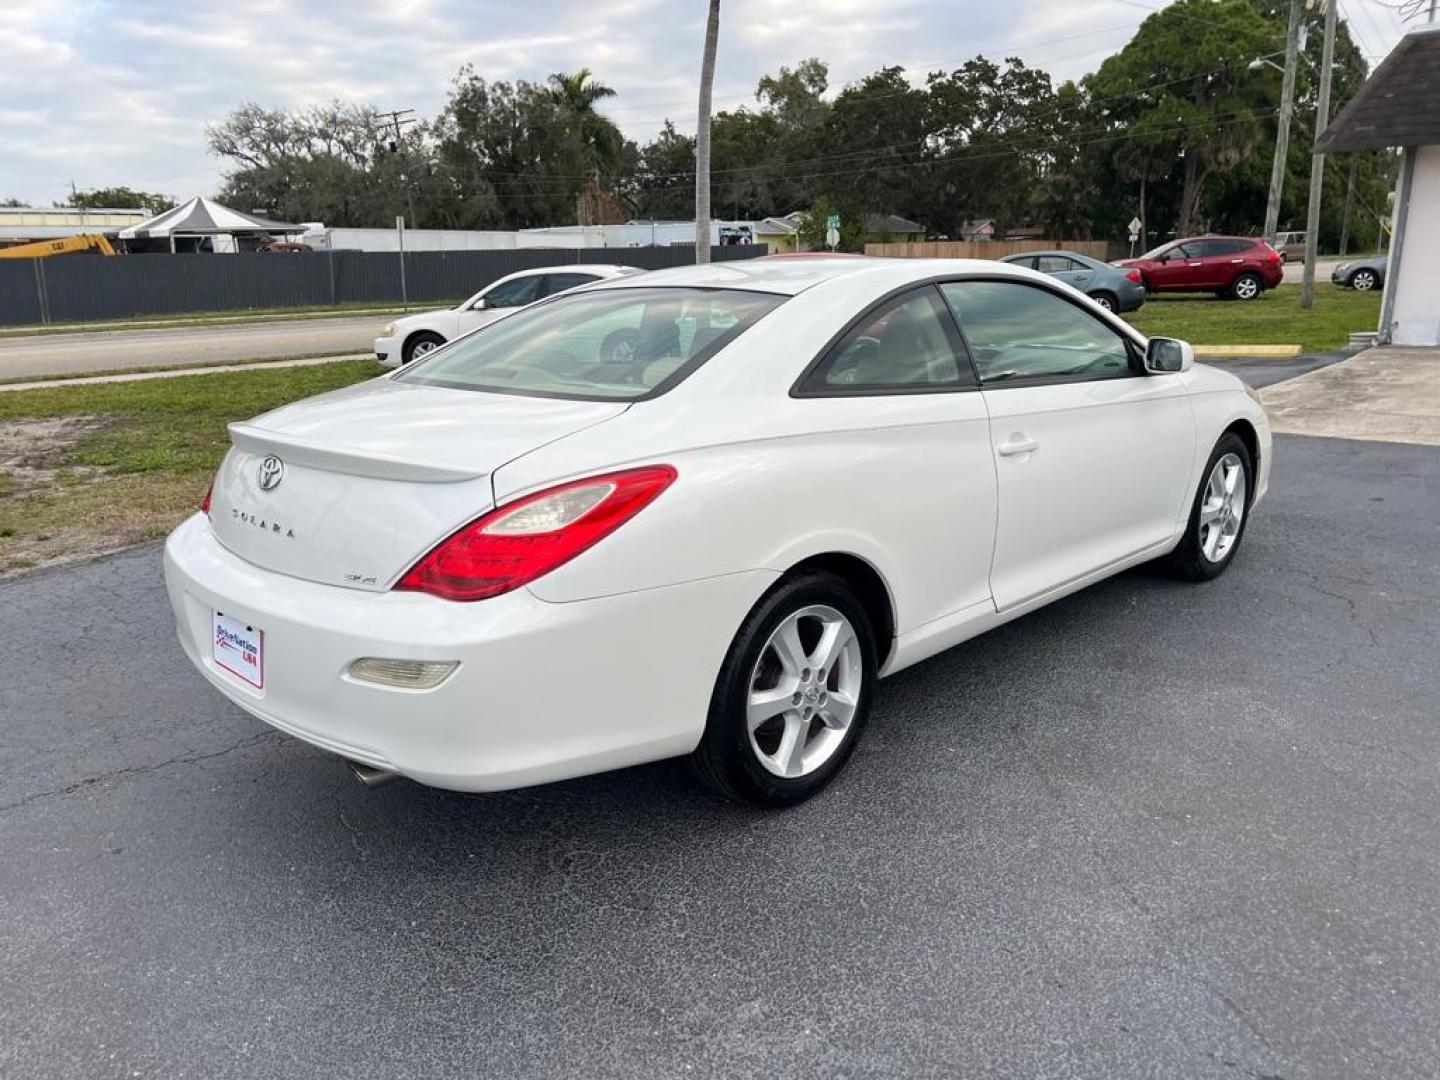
x=1155 y=830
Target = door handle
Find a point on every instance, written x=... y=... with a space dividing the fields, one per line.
x=1018 y=444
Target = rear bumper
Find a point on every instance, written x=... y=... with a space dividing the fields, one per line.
x=543 y=691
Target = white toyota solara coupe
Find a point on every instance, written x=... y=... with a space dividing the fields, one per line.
x=525 y=558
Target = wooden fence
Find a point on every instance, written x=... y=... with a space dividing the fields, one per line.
x=985 y=249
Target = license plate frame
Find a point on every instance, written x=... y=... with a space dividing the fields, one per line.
x=238 y=646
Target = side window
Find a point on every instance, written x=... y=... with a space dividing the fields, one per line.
x=1230 y=247
x=555 y=283
x=1028 y=262
x=514 y=293
x=1018 y=331
x=908 y=343
x=1054 y=264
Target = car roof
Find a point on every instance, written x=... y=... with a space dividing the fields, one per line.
x=1051 y=251
x=604 y=269
x=789 y=276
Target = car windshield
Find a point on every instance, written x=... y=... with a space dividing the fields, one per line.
x=1156 y=252
x=611 y=344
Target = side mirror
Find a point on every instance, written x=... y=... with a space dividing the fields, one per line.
x=478 y=305
x=1165 y=355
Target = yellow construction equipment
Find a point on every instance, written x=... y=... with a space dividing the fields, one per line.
x=42 y=249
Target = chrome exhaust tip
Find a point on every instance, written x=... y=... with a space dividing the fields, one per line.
x=369 y=775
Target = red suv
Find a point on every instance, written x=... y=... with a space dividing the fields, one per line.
x=1225 y=265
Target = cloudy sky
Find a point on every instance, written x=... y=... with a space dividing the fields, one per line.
x=112 y=92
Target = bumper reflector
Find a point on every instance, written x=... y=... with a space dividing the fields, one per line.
x=405 y=674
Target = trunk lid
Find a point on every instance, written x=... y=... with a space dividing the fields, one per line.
x=371 y=477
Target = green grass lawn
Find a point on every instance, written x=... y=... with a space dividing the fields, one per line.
x=96 y=468
x=1274 y=319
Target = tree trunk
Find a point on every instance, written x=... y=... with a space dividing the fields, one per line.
x=1190 y=196
x=702 y=138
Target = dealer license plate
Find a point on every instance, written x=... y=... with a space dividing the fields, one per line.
x=239 y=648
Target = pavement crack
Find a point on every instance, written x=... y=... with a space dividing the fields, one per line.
x=135 y=770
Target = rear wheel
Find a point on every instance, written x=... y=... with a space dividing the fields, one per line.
x=1364 y=280
x=1247 y=287
x=417 y=345
x=1218 y=514
x=792 y=696
x=1104 y=299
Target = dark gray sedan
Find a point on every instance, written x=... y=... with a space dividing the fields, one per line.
x=1362 y=274
x=1111 y=287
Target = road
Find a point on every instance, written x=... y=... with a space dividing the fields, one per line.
x=120 y=350
x=1295 y=271
x=1153 y=830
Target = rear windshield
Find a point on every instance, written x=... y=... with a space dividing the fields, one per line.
x=612 y=344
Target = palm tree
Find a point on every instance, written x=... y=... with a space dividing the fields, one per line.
x=702 y=138
x=577 y=93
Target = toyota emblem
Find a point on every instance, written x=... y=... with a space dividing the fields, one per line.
x=272 y=471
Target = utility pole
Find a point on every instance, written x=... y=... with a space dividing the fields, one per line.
x=702 y=138
x=1349 y=203
x=397 y=119
x=1317 y=160
x=1282 y=129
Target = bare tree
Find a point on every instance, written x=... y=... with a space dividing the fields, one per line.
x=702 y=138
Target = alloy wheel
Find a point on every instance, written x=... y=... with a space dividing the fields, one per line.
x=804 y=691
x=1247 y=288
x=423 y=347
x=1223 y=510
x=1364 y=280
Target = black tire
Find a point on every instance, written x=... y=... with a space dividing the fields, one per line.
x=1247 y=286
x=725 y=760
x=1107 y=300
x=415 y=342
x=1364 y=279
x=1188 y=560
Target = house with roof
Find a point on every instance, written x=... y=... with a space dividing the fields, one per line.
x=1399 y=106
x=892 y=229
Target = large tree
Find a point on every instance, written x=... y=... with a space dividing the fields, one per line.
x=1184 y=81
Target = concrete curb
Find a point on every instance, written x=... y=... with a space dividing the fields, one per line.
x=1274 y=352
x=170 y=373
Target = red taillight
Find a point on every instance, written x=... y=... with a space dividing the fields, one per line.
x=205 y=502
x=1272 y=254
x=517 y=543
x=1133 y=275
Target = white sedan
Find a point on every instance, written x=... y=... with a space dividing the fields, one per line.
x=413 y=336
x=523 y=559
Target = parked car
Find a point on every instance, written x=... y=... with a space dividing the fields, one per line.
x=519 y=559
x=1362 y=274
x=1290 y=245
x=1225 y=265
x=1111 y=287
x=413 y=336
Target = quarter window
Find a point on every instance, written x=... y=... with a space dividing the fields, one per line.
x=555 y=283
x=908 y=343
x=1020 y=332
x=1054 y=264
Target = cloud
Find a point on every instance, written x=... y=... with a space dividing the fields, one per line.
x=111 y=92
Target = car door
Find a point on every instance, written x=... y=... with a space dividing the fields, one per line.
x=1216 y=263
x=908 y=438
x=1176 y=267
x=1061 y=267
x=499 y=299
x=1092 y=455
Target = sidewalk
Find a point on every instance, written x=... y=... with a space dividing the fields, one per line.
x=170 y=373
x=1386 y=394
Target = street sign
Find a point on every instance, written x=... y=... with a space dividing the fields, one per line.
x=832 y=223
x=1134 y=236
x=1135 y=224
x=832 y=238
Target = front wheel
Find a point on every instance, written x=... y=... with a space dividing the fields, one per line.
x=1364 y=280
x=418 y=345
x=792 y=695
x=1218 y=515
x=1247 y=287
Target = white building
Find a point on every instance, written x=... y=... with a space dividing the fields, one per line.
x=24 y=224
x=1399 y=106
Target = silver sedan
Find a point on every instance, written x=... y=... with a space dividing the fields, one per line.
x=1112 y=287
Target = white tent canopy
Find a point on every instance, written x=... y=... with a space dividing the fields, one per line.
x=204 y=217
